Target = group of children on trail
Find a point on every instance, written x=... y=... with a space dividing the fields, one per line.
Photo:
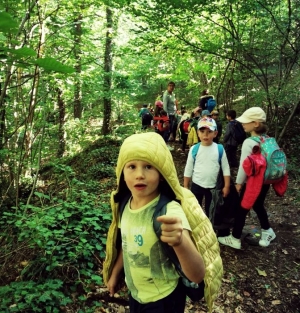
x=160 y=237
x=165 y=116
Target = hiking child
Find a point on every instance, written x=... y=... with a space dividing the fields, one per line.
x=204 y=168
x=163 y=126
x=146 y=116
x=146 y=172
x=254 y=122
x=183 y=129
x=231 y=138
x=192 y=131
x=157 y=109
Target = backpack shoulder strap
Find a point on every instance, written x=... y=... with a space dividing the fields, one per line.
x=161 y=209
x=122 y=204
x=220 y=150
x=195 y=150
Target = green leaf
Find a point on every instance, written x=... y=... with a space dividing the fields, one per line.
x=261 y=272
x=51 y=64
x=23 y=52
x=44 y=297
x=7 y=24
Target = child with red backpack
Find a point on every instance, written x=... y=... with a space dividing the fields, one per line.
x=251 y=180
x=183 y=128
x=163 y=126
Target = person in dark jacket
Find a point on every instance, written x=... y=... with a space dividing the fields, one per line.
x=204 y=98
x=230 y=144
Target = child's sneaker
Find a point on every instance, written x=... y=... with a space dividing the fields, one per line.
x=266 y=237
x=230 y=241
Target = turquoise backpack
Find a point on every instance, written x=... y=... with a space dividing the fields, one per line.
x=275 y=157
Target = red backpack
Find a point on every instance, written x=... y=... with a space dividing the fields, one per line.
x=186 y=125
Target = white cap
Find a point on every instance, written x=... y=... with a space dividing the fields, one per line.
x=254 y=114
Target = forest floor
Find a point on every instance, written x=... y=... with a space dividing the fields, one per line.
x=255 y=279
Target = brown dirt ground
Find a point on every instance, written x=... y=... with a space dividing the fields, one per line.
x=255 y=279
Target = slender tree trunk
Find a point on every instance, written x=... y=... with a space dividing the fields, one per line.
x=61 y=133
x=9 y=71
x=107 y=73
x=28 y=135
x=78 y=67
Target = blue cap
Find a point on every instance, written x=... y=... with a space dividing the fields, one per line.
x=205 y=112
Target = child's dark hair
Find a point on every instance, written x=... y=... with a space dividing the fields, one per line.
x=232 y=114
x=171 y=83
x=261 y=129
x=145 y=105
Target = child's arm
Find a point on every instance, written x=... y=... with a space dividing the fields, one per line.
x=226 y=189
x=186 y=182
x=188 y=170
x=190 y=259
x=114 y=277
x=226 y=175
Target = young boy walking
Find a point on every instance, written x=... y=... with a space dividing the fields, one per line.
x=230 y=142
x=145 y=171
x=203 y=169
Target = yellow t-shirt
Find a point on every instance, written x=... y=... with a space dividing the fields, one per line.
x=150 y=275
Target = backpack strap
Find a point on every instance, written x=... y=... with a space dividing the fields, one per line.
x=161 y=209
x=122 y=204
x=195 y=150
x=220 y=150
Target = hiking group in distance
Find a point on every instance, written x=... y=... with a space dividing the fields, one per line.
x=164 y=234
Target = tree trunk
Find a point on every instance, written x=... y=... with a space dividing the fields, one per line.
x=9 y=70
x=61 y=133
x=107 y=73
x=78 y=67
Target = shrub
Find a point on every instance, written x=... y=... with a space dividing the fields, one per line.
x=69 y=238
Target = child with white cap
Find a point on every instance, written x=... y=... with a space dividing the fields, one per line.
x=254 y=122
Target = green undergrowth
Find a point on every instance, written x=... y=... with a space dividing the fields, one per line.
x=52 y=248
